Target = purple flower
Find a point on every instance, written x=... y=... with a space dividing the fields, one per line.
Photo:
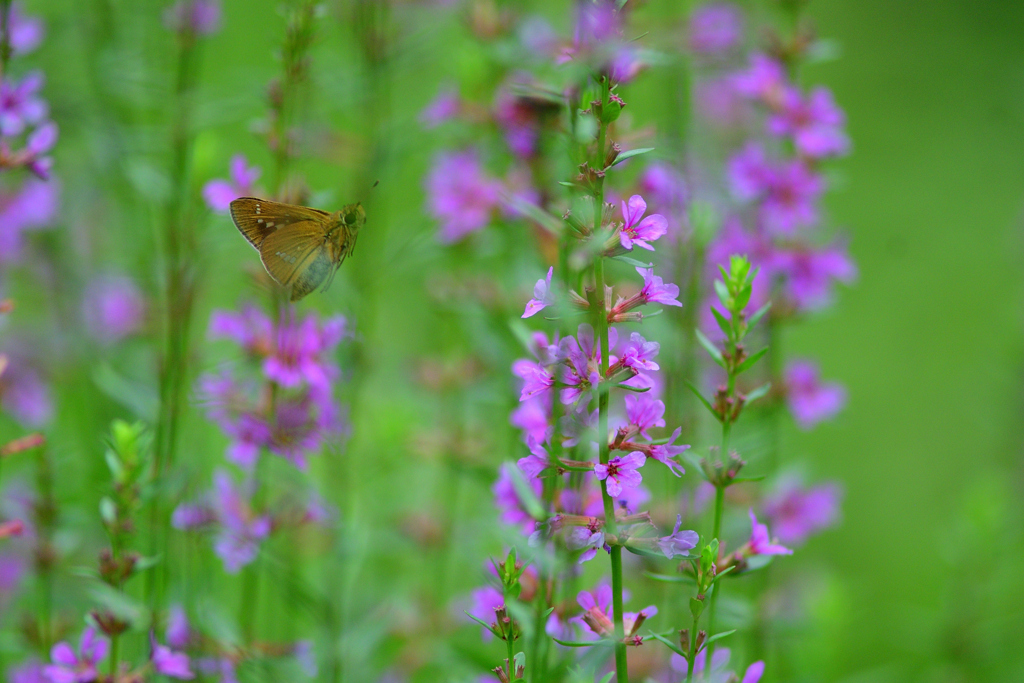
x=187 y=517
x=25 y=32
x=241 y=532
x=678 y=542
x=655 y=291
x=220 y=193
x=753 y=673
x=444 y=107
x=810 y=400
x=588 y=538
x=797 y=511
x=636 y=231
x=639 y=353
x=24 y=394
x=578 y=425
x=484 y=601
x=518 y=119
x=718 y=662
x=510 y=507
x=715 y=29
x=535 y=463
x=250 y=328
x=533 y=416
x=536 y=379
x=306 y=657
x=543 y=296
x=644 y=412
x=719 y=103
x=179 y=632
x=760 y=542
x=814 y=123
x=583 y=370
x=765 y=80
x=621 y=472
x=809 y=274
x=665 y=453
x=113 y=308
x=461 y=195
x=20 y=104
x=787 y=192
x=166 y=662
x=31 y=671
x=71 y=667
x=223 y=667
x=193 y=17
x=31 y=207
x=666 y=188
x=299 y=348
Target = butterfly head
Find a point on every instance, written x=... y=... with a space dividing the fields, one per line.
x=352 y=218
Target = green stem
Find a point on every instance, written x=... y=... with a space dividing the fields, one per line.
x=115 y=641
x=621 y=670
x=693 y=646
x=510 y=647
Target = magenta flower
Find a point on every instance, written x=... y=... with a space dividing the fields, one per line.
x=665 y=453
x=765 y=80
x=518 y=120
x=753 y=673
x=810 y=400
x=179 y=632
x=71 y=667
x=26 y=396
x=220 y=193
x=484 y=601
x=787 y=193
x=639 y=353
x=637 y=230
x=510 y=507
x=113 y=308
x=678 y=542
x=443 y=108
x=644 y=412
x=20 y=104
x=543 y=296
x=222 y=667
x=240 y=531
x=31 y=207
x=655 y=291
x=715 y=29
x=621 y=472
x=193 y=17
x=300 y=348
x=31 y=671
x=718 y=103
x=588 y=501
x=168 y=663
x=588 y=538
x=25 y=32
x=535 y=463
x=814 y=123
x=761 y=543
x=533 y=417
x=797 y=512
x=809 y=274
x=578 y=425
x=461 y=195
x=583 y=370
x=536 y=379
x=250 y=328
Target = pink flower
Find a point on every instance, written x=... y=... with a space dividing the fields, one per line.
x=169 y=663
x=814 y=123
x=644 y=412
x=810 y=400
x=621 y=472
x=637 y=231
x=665 y=453
x=113 y=308
x=220 y=193
x=715 y=28
x=655 y=291
x=461 y=195
x=760 y=542
x=542 y=296
x=797 y=511
x=71 y=667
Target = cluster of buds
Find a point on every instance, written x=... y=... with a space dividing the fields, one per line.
x=518 y=669
x=721 y=473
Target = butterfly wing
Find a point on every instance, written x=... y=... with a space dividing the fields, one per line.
x=296 y=256
x=257 y=219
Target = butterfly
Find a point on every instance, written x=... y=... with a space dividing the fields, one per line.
x=300 y=247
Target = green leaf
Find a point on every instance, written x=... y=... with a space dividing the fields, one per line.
x=519 y=660
x=715 y=354
x=120 y=604
x=746 y=365
x=635 y=390
x=723 y=323
x=108 y=511
x=486 y=626
x=572 y=643
x=668 y=643
x=696 y=607
x=567 y=183
x=759 y=314
x=740 y=480
x=722 y=573
x=535 y=213
x=723 y=294
x=759 y=392
x=630 y=153
x=525 y=493
x=696 y=392
x=718 y=636
x=667 y=578
x=138 y=398
x=611 y=674
x=632 y=261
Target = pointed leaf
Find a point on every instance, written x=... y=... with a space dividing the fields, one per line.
x=669 y=644
x=723 y=293
x=629 y=154
x=723 y=322
x=486 y=626
x=715 y=354
x=632 y=261
x=611 y=674
x=718 y=636
x=525 y=493
x=696 y=392
x=749 y=362
x=573 y=643
x=635 y=390
x=668 y=578
x=759 y=392
x=759 y=314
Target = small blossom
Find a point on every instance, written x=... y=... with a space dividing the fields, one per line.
x=533 y=417
x=644 y=412
x=250 y=328
x=461 y=195
x=306 y=657
x=31 y=671
x=240 y=530
x=510 y=507
x=678 y=542
x=444 y=107
x=193 y=17
x=24 y=394
x=810 y=400
x=621 y=472
x=809 y=275
x=484 y=602
x=715 y=29
x=543 y=296
x=536 y=378
x=71 y=667
x=31 y=207
x=760 y=542
x=222 y=667
x=797 y=512
x=25 y=32
x=787 y=193
x=113 y=308
x=535 y=463
x=665 y=453
x=220 y=193
x=179 y=632
x=765 y=80
x=637 y=230
x=753 y=673
x=588 y=538
x=20 y=104
x=172 y=664
x=655 y=291
x=300 y=349
x=639 y=353
x=814 y=123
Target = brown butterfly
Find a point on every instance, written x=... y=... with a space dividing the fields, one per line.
x=300 y=247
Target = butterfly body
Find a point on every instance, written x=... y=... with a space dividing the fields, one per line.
x=300 y=247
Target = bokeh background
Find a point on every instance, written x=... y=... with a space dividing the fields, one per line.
x=919 y=582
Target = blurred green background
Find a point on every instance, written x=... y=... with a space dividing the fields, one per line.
x=920 y=582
